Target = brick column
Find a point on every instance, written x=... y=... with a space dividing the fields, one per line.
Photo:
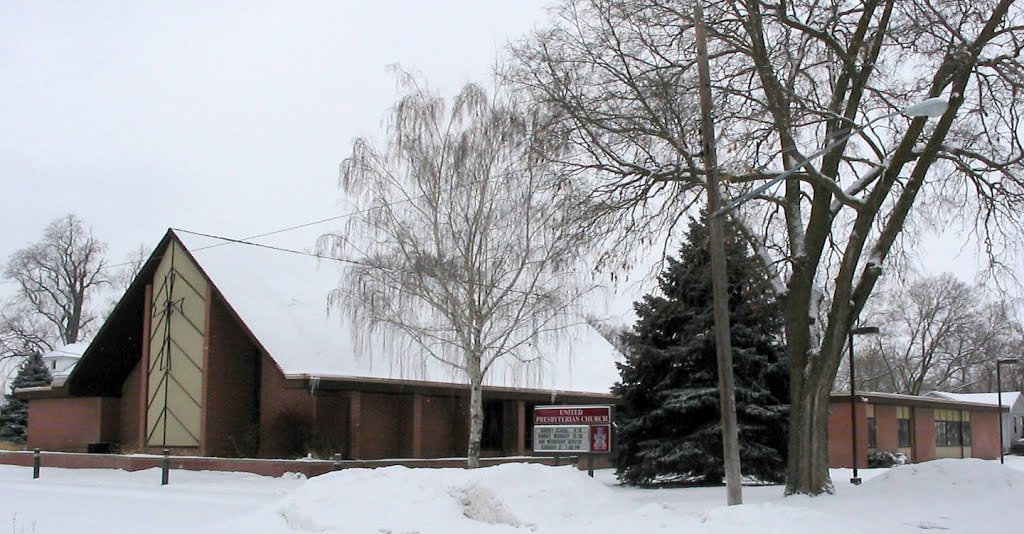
x=887 y=428
x=417 y=425
x=147 y=324
x=204 y=403
x=522 y=447
x=355 y=409
x=924 y=434
x=462 y=432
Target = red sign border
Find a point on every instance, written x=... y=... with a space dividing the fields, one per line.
x=609 y=424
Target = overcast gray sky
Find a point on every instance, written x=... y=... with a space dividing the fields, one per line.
x=222 y=117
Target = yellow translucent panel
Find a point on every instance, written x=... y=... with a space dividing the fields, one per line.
x=176 y=352
x=869 y=410
x=952 y=415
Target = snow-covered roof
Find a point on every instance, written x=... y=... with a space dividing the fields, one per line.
x=992 y=399
x=66 y=357
x=74 y=350
x=283 y=299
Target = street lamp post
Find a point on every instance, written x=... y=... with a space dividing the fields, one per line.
x=999 y=395
x=853 y=395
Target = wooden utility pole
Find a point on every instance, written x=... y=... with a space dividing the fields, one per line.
x=720 y=297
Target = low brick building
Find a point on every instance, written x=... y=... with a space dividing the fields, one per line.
x=922 y=428
x=226 y=349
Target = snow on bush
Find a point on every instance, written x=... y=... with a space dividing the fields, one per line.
x=886 y=459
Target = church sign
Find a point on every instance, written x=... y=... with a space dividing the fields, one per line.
x=572 y=429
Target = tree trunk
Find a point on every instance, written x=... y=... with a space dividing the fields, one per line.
x=74 y=322
x=810 y=384
x=476 y=414
x=807 y=472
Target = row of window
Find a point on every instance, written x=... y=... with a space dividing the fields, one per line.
x=952 y=428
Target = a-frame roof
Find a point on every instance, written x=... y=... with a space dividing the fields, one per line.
x=281 y=299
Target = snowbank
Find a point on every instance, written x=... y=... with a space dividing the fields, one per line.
x=970 y=496
x=949 y=477
x=398 y=499
x=535 y=498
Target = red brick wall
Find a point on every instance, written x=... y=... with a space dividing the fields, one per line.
x=230 y=380
x=441 y=415
x=924 y=434
x=381 y=425
x=331 y=430
x=840 y=447
x=130 y=420
x=284 y=412
x=386 y=422
x=887 y=430
x=71 y=424
x=985 y=435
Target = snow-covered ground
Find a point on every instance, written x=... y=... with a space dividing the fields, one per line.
x=971 y=496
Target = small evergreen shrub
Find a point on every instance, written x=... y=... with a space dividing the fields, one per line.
x=886 y=459
x=14 y=414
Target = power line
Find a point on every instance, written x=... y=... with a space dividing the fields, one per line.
x=230 y=241
x=245 y=241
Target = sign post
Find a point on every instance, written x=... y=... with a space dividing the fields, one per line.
x=585 y=429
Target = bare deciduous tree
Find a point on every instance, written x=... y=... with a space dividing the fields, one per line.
x=938 y=333
x=22 y=332
x=792 y=78
x=130 y=268
x=122 y=278
x=55 y=279
x=462 y=249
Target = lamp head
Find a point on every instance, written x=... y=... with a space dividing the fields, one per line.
x=1010 y=359
x=933 y=107
x=864 y=330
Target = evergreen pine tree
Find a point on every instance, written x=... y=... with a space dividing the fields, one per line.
x=670 y=424
x=14 y=413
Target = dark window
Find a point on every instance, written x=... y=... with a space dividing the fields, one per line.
x=494 y=423
x=903 y=429
x=872 y=433
x=529 y=424
x=952 y=434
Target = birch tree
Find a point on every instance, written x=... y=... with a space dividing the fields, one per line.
x=792 y=79
x=55 y=279
x=460 y=248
